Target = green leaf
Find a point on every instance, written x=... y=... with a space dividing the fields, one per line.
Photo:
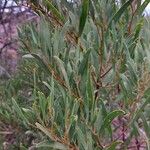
x=19 y=111
x=90 y=90
x=147 y=92
x=92 y=9
x=99 y=120
x=55 y=145
x=89 y=141
x=28 y=113
x=63 y=70
x=127 y=83
x=114 y=145
x=34 y=38
x=81 y=138
x=83 y=17
x=142 y=7
x=109 y=118
x=119 y=13
x=42 y=104
x=133 y=72
x=41 y=63
x=139 y=111
x=146 y=125
x=55 y=12
x=138 y=29
x=44 y=130
x=84 y=64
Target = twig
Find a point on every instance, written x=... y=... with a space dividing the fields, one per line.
x=106 y=72
x=5 y=45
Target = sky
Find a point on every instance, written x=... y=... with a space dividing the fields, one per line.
x=147 y=10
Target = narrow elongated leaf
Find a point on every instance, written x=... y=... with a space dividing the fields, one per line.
x=27 y=56
x=55 y=12
x=84 y=14
x=137 y=113
x=44 y=130
x=43 y=104
x=92 y=9
x=146 y=125
x=109 y=118
x=132 y=71
x=55 y=145
x=119 y=13
x=34 y=38
x=89 y=141
x=99 y=120
x=29 y=114
x=90 y=90
x=19 y=111
x=138 y=29
x=114 y=145
x=84 y=64
x=82 y=138
x=126 y=82
x=142 y=7
x=63 y=70
x=41 y=62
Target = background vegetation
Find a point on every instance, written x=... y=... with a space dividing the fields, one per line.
x=83 y=80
